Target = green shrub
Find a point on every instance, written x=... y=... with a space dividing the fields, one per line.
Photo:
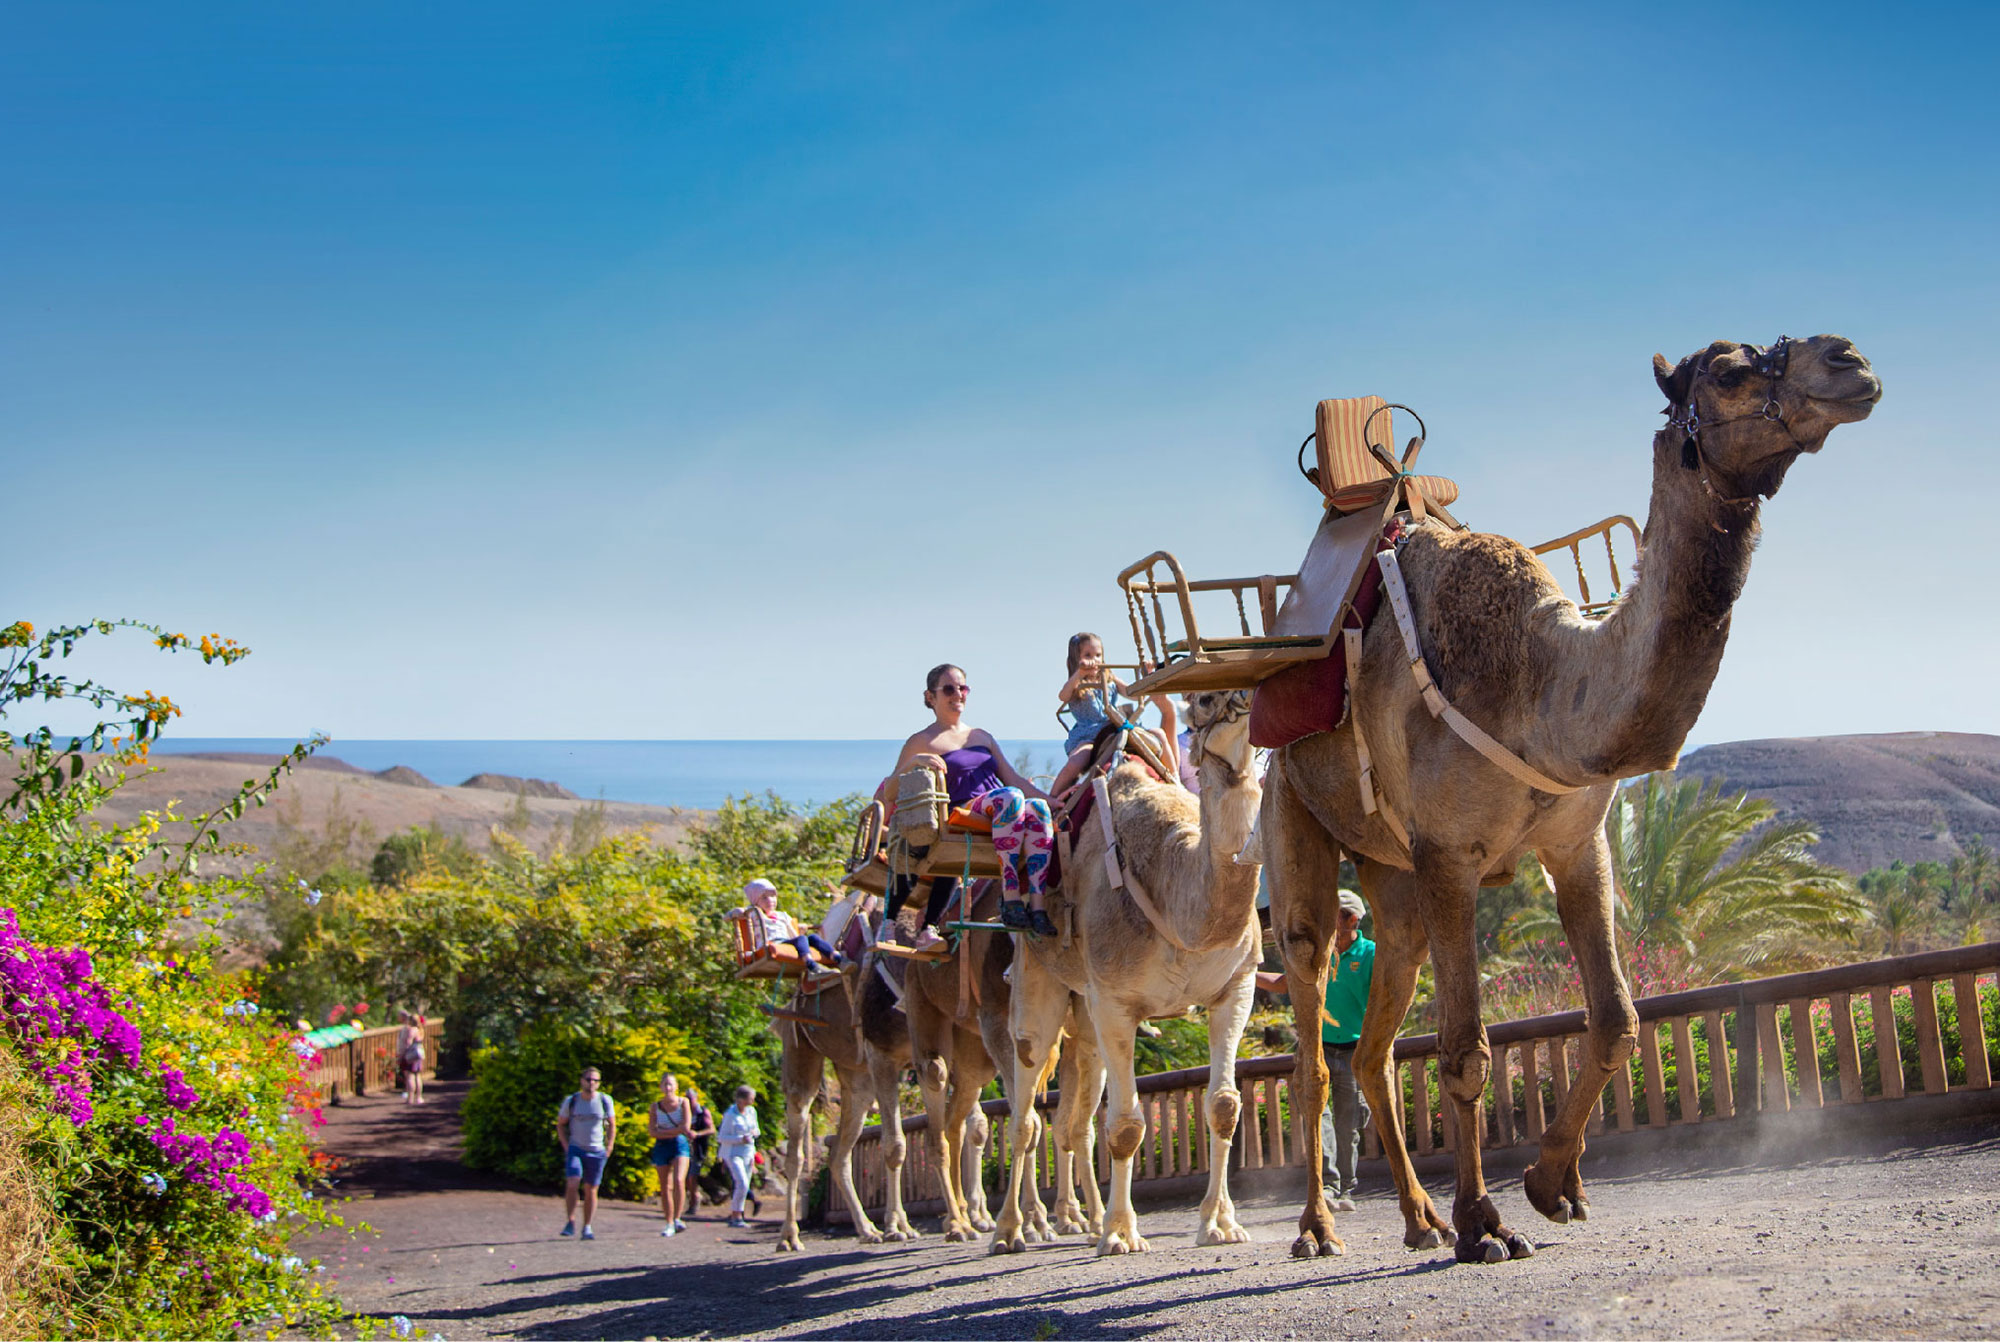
x=510 y=1114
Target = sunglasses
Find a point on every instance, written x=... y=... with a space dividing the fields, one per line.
x=956 y=691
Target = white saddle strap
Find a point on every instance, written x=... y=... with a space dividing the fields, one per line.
x=1114 y=869
x=1434 y=700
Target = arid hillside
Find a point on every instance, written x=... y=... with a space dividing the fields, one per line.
x=1909 y=796
x=343 y=811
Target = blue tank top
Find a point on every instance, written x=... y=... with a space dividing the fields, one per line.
x=969 y=771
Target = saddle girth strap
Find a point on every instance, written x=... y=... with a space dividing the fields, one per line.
x=1120 y=878
x=1372 y=801
x=1434 y=700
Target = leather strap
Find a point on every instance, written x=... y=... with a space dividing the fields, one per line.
x=1434 y=700
x=1114 y=869
x=1372 y=802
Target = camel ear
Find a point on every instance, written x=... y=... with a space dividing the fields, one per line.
x=1674 y=379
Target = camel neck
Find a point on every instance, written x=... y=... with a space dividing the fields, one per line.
x=1648 y=666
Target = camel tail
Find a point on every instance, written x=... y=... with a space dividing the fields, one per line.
x=1043 y=1077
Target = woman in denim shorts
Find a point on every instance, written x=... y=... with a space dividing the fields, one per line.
x=670 y=1122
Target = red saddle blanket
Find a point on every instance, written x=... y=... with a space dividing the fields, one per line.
x=1312 y=696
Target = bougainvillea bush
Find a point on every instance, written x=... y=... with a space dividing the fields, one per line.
x=166 y=1116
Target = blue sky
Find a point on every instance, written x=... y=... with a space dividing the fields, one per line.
x=679 y=371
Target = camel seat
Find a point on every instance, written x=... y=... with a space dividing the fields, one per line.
x=867 y=860
x=757 y=957
x=1364 y=487
x=961 y=851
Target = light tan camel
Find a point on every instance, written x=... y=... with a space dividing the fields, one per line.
x=1181 y=851
x=954 y=1059
x=1586 y=703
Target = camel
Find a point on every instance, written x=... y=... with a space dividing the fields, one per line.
x=868 y=1074
x=1586 y=703
x=953 y=1055
x=1181 y=851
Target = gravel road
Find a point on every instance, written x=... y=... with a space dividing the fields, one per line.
x=1871 y=1236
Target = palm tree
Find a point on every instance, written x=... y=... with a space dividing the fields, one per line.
x=1716 y=881
x=1895 y=918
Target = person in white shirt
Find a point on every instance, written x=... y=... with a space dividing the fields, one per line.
x=761 y=898
x=736 y=1135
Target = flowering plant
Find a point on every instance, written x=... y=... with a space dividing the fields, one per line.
x=169 y=1126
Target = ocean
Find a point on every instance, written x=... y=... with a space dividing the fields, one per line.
x=696 y=774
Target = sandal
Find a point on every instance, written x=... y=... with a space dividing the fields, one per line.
x=1014 y=915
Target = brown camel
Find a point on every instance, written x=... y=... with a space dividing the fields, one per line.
x=953 y=1055
x=1584 y=702
x=868 y=1075
x=1181 y=852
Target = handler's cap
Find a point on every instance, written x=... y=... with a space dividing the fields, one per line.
x=1351 y=903
x=760 y=886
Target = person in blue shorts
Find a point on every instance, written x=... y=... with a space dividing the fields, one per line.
x=672 y=1123
x=587 y=1126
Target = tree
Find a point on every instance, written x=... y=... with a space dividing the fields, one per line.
x=1714 y=881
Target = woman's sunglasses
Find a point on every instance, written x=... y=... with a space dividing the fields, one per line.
x=956 y=691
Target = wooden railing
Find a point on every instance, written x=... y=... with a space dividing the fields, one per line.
x=1706 y=1055
x=368 y=1061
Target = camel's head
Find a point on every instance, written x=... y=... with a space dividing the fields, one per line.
x=1747 y=411
x=1219 y=725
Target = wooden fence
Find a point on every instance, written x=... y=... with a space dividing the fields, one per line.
x=1798 y=1041
x=368 y=1061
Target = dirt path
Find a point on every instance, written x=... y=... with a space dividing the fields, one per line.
x=1878 y=1238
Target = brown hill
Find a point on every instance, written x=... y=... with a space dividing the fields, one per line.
x=1900 y=796
x=526 y=787
x=330 y=811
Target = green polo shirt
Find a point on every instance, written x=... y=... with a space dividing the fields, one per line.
x=1347 y=993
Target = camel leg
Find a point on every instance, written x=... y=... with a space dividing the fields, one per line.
x=1226 y=1017
x=1303 y=865
x=1126 y=1125
x=1464 y=1058
x=854 y=1090
x=887 y=1074
x=1035 y=1020
x=944 y=1132
x=1583 y=900
x=798 y=1129
x=803 y=1068
x=1076 y=1127
x=972 y=1172
x=1400 y=952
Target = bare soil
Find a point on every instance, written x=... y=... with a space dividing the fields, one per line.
x=1869 y=1236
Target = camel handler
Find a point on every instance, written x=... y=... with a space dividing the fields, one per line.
x=1352 y=974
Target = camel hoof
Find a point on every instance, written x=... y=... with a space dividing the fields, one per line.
x=1518 y=1247
x=868 y=1237
x=1579 y=1210
x=957 y=1235
x=982 y=1224
x=1430 y=1239
x=1482 y=1250
x=1561 y=1214
x=789 y=1246
x=1334 y=1247
x=1009 y=1244
x=1111 y=1246
x=893 y=1237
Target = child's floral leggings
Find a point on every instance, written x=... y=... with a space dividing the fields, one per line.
x=1024 y=835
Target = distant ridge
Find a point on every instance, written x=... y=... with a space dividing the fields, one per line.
x=1899 y=796
x=521 y=787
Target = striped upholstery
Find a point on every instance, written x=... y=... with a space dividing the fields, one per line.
x=1349 y=475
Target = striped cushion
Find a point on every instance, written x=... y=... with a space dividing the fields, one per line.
x=1349 y=475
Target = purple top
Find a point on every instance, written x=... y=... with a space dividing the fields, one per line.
x=968 y=772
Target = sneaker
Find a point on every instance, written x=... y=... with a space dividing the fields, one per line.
x=569 y=1228
x=588 y=1233
x=670 y=1231
x=1014 y=915
x=1041 y=924
x=680 y=1225
x=1342 y=1204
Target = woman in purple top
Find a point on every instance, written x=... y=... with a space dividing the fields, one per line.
x=979 y=778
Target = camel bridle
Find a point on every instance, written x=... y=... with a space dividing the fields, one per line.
x=1235 y=708
x=1772 y=361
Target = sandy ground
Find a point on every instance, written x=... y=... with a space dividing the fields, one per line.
x=1874 y=1237
x=330 y=799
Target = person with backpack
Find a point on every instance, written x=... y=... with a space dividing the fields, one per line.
x=702 y=1133
x=587 y=1126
